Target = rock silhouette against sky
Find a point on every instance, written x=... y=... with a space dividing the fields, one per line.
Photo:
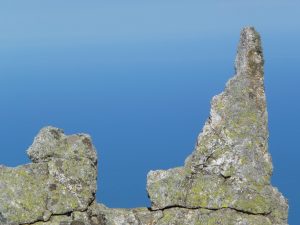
x=226 y=179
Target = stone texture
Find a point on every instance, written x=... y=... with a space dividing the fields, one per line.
x=61 y=179
x=230 y=166
x=23 y=193
x=226 y=179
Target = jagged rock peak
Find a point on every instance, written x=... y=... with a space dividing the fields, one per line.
x=230 y=167
x=226 y=179
x=238 y=123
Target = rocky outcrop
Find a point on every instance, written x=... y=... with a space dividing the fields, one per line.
x=61 y=179
x=226 y=180
x=230 y=166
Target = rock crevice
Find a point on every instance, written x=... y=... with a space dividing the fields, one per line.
x=226 y=179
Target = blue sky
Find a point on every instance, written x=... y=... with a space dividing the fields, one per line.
x=138 y=76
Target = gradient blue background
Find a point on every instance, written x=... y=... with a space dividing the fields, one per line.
x=138 y=76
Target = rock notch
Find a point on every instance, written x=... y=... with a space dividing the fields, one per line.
x=226 y=180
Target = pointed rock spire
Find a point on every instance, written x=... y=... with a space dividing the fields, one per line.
x=234 y=140
x=230 y=166
x=249 y=52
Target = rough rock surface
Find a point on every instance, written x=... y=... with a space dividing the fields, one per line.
x=226 y=180
x=61 y=179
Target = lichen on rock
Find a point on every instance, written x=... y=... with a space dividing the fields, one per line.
x=61 y=179
x=226 y=179
x=230 y=166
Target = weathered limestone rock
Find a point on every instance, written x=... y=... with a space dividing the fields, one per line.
x=226 y=180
